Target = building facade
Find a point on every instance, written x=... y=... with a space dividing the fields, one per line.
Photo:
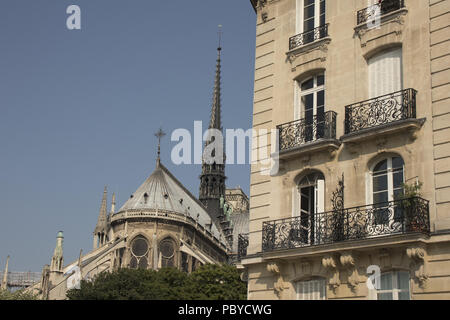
x=359 y=206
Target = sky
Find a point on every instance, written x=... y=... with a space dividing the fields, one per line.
x=79 y=108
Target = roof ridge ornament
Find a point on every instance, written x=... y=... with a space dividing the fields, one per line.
x=159 y=135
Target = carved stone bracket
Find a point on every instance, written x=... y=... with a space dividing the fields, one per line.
x=330 y=264
x=274 y=268
x=418 y=256
x=348 y=262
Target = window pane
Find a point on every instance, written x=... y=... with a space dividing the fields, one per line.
x=309 y=25
x=386 y=281
x=309 y=2
x=398 y=179
x=403 y=280
x=320 y=80
x=380 y=183
x=403 y=295
x=309 y=84
x=380 y=197
x=309 y=12
x=381 y=166
x=385 y=296
x=397 y=162
x=320 y=98
x=322 y=7
x=308 y=101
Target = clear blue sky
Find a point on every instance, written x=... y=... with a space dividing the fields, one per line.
x=79 y=109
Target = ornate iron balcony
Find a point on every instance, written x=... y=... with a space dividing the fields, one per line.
x=383 y=219
x=308 y=36
x=379 y=9
x=242 y=245
x=385 y=109
x=294 y=134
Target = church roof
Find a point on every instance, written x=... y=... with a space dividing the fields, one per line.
x=162 y=191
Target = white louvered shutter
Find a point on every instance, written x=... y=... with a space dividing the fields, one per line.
x=385 y=73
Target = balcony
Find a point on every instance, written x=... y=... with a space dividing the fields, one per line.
x=377 y=10
x=381 y=116
x=308 y=37
x=308 y=135
x=376 y=221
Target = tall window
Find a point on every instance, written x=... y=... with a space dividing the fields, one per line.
x=385 y=73
x=139 y=253
x=387 y=180
x=167 y=253
x=311 y=290
x=308 y=202
x=394 y=286
x=310 y=105
x=310 y=15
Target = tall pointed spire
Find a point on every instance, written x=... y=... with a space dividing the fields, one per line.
x=4 y=285
x=100 y=231
x=215 y=122
x=212 y=179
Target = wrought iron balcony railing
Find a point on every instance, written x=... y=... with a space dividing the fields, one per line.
x=379 y=9
x=242 y=245
x=385 y=109
x=383 y=219
x=294 y=134
x=308 y=36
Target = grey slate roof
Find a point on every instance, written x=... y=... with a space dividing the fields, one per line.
x=162 y=191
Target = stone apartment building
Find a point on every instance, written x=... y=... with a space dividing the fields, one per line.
x=359 y=93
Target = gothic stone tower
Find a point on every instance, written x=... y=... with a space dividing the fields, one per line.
x=212 y=179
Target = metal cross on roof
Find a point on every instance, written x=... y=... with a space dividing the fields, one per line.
x=159 y=135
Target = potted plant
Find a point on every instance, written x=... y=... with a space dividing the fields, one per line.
x=408 y=202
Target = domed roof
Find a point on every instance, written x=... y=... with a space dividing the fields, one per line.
x=162 y=191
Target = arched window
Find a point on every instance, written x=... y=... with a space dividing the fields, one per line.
x=309 y=200
x=310 y=106
x=139 y=253
x=314 y=289
x=167 y=253
x=387 y=185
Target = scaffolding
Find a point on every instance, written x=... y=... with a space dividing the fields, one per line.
x=21 y=280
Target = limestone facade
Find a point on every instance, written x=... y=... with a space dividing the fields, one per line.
x=362 y=91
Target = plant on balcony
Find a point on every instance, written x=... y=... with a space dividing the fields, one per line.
x=408 y=202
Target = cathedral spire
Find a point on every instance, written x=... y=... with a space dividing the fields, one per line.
x=215 y=122
x=212 y=179
x=100 y=231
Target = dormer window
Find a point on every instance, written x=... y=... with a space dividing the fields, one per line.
x=145 y=197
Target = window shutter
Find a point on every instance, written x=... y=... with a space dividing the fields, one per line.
x=320 y=196
x=385 y=73
x=295 y=202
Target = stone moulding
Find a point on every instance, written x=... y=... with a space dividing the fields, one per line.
x=363 y=30
x=320 y=45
